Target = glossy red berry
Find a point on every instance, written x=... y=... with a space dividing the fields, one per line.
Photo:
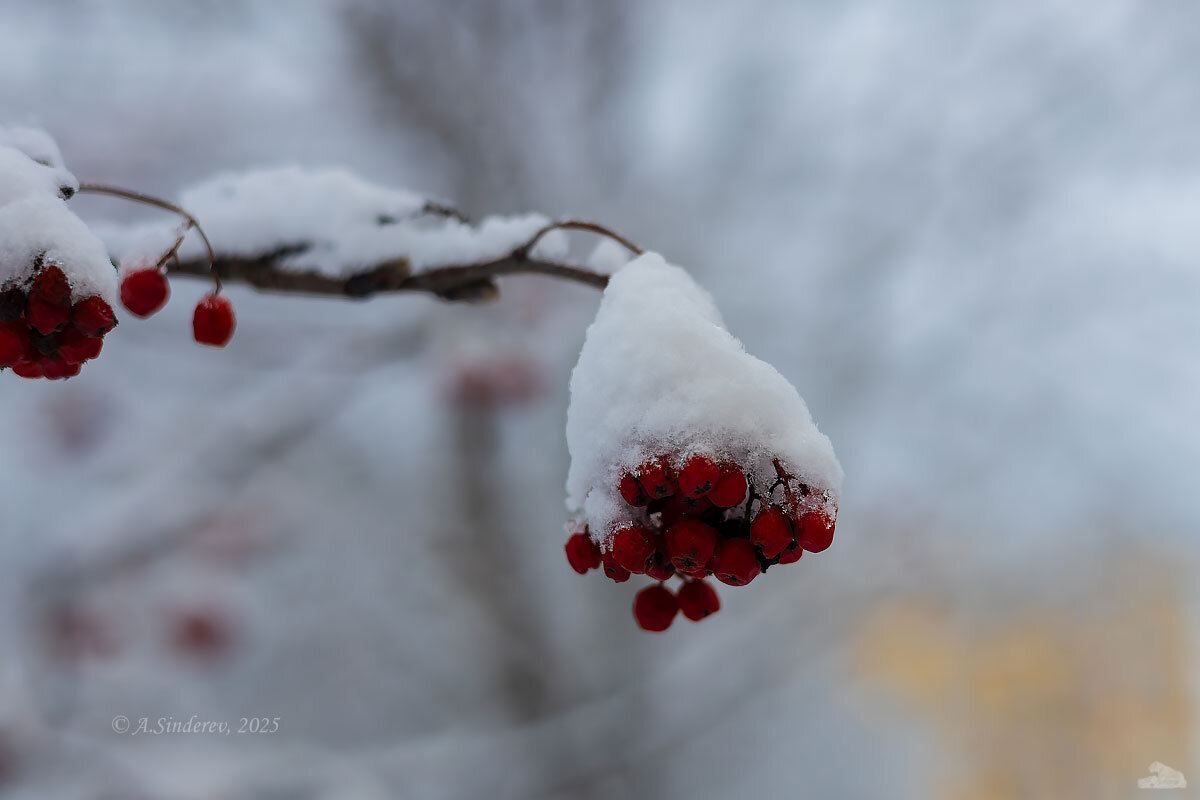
x=93 y=316
x=582 y=553
x=730 y=489
x=632 y=491
x=46 y=317
x=736 y=562
x=815 y=531
x=771 y=531
x=655 y=608
x=690 y=544
x=660 y=568
x=144 y=291
x=213 y=322
x=51 y=286
x=28 y=369
x=791 y=554
x=614 y=570
x=658 y=479
x=632 y=548
x=697 y=599
x=698 y=476
x=75 y=348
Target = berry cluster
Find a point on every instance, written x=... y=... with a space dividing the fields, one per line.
x=42 y=333
x=144 y=290
x=697 y=516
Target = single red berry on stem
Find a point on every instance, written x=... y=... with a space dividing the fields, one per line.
x=582 y=553
x=213 y=322
x=93 y=316
x=655 y=608
x=697 y=599
x=771 y=531
x=614 y=570
x=144 y=291
x=658 y=479
x=698 y=476
x=736 y=562
x=690 y=544
x=632 y=491
x=632 y=548
x=730 y=489
x=815 y=531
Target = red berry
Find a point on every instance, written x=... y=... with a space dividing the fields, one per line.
x=697 y=599
x=28 y=369
x=13 y=340
x=791 y=554
x=144 y=291
x=54 y=369
x=730 y=489
x=582 y=553
x=659 y=567
x=632 y=548
x=657 y=479
x=632 y=491
x=75 y=347
x=736 y=563
x=655 y=608
x=93 y=316
x=771 y=531
x=614 y=570
x=690 y=544
x=815 y=531
x=51 y=286
x=46 y=316
x=213 y=322
x=698 y=476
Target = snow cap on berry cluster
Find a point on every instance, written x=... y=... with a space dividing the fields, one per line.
x=660 y=374
x=342 y=222
x=36 y=221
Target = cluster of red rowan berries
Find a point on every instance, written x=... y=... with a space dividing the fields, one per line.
x=144 y=290
x=697 y=517
x=42 y=333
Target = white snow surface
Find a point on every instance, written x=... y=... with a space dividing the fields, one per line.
x=348 y=224
x=35 y=220
x=659 y=373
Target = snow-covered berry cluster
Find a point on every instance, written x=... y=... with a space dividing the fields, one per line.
x=690 y=458
x=700 y=516
x=43 y=334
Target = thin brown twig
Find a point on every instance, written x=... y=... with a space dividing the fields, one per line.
x=166 y=205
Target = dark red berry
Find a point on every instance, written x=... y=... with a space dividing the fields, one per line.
x=46 y=316
x=815 y=531
x=93 y=316
x=791 y=554
x=690 y=544
x=632 y=548
x=736 y=562
x=771 y=531
x=678 y=506
x=658 y=479
x=698 y=476
x=632 y=491
x=697 y=599
x=53 y=369
x=75 y=348
x=144 y=291
x=12 y=304
x=730 y=489
x=659 y=567
x=614 y=570
x=582 y=553
x=213 y=322
x=28 y=369
x=655 y=608
x=51 y=286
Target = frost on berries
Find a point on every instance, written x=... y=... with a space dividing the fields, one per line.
x=689 y=457
x=57 y=285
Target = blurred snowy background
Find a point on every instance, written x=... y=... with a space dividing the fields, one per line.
x=966 y=231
